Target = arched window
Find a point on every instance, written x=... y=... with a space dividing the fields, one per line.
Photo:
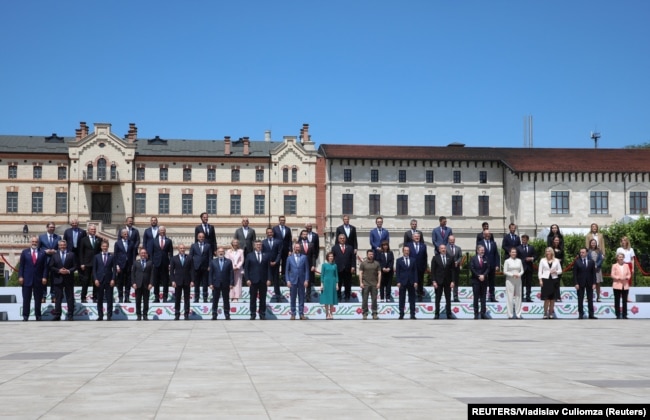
x=285 y=174
x=294 y=175
x=113 y=172
x=101 y=169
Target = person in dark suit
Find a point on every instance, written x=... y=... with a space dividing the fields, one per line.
x=161 y=251
x=141 y=274
x=526 y=253
x=200 y=255
x=350 y=233
x=32 y=276
x=584 y=279
x=386 y=260
x=62 y=267
x=257 y=272
x=408 y=235
x=418 y=252
x=282 y=233
x=180 y=274
x=104 y=277
x=73 y=236
x=456 y=254
x=442 y=271
x=48 y=242
x=510 y=240
x=406 y=277
x=123 y=256
x=345 y=261
x=134 y=235
x=150 y=233
x=480 y=236
x=297 y=277
x=91 y=245
x=208 y=232
x=308 y=250
x=314 y=240
x=246 y=236
x=273 y=249
x=440 y=235
x=479 y=266
x=378 y=235
x=222 y=279
x=492 y=255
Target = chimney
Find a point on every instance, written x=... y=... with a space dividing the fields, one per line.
x=133 y=133
x=267 y=135
x=304 y=133
x=246 y=146
x=84 y=129
x=77 y=134
x=226 y=145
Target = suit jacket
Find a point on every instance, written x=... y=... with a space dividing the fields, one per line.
x=123 y=258
x=439 y=237
x=222 y=277
x=56 y=263
x=200 y=260
x=376 y=238
x=584 y=275
x=160 y=257
x=148 y=236
x=210 y=237
x=443 y=274
x=141 y=277
x=181 y=274
x=315 y=241
x=68 y=235
x=247 y=243
x=492 y=255
x=297 y=272
x=87 y=251
x=509 y=242
x=255 y=271
x=351 y=239
x=386 y=261
x=310 y=253
x=344 y=261
x=479 y=269
x=456 y=254
x=44 y=244
x=134 y=236
x=32 y=274
x=522 y=254
x=103 y=272
x=286 y=241
x=274 y=252
x=405 y=275
x=408 y=236
x=421 y=257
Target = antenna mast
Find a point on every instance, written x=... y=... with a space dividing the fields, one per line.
x=595 y=137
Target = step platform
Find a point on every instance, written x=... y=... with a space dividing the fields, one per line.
x=638 y=306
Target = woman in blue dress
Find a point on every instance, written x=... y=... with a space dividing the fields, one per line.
x=329 y=285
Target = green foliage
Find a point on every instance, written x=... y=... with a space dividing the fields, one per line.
x=13 y=279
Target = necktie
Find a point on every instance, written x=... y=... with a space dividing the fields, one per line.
x=512 y=237
x=305 y=245
x=417 y=248
x=75 y=235
x=452 y=251
x=182 y=260
x=442 y=230
x=271 y=242
x=130 y=232
x=144 y=263
x=63 y=257
x=104 y=259
x=201 y=246
x=162 y=242
x=92 y=241
x=584 y=261
x=51 y=244
x=126 y=246
x=487 y=246
x=526 y=249
x=480 y=262
x=259 y=258
x=343 y=249
x=34 y=256
x=283 y=231
x=205 y=229
x=407 y=261
x=221 y=263
x=444 y=260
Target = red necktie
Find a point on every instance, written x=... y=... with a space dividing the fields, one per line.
x=480 y=262
x=33 y=256
x=162 y=242
x=343 y=249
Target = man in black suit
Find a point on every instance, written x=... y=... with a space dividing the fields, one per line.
x=480 y=236
x=314 y=240
x=386 y=259
x=480 y=268
x=273 y=249
x=246 y=236
x=442 y=272
x=510 y=239
x=73 y=236
x=141 y=278
x=91 y=245
x=222 y=279
x=406 y=277
x=150 y=233
x=161 y=250
x=32 y=275
x=257 y=272
x=134 y=235
x=456 y=254
x=180 y=273
x=408 y=235
x=345 y=261
x=200 y=255
x=584 y=278
x=208 y=232
x=282 y=233
x=104 y=278
x=62 y=267
x=418 y=252
x=492 y=255
x=123 y=256
x=350 y=233
x=307 y=249
x=526 y=253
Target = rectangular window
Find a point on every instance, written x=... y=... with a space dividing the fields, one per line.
x=402 y=204
x=285 y=175
x=347 y=175
x=12 y=202
x=429 y=176
x=139 y=174
x=294 y=175
x=429 y=205
x=235 y=204
x=259 y=175
x=559 y=202
x=374 y=204
x=62 y=172
x=212 y=174
x=113 y=173
x=457 y=205
x=13 y=172
x=348 y=204
x=37 y=202
x=38 y=172
x=374 y=175
x=62 y=202
x=599 y=202
x=260 y=204
x=234 y=176
x=164 y=174
x=483 y=205
x=291 y=204
x=163 y=203
x=140 y=203
x=482 y=177
x=456 y=177
x=188 y=200
x=187 y=174
x=402 y=175
x=638 y=202
x=211 y=203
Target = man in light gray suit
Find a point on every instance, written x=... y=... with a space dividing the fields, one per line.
x=246 y=236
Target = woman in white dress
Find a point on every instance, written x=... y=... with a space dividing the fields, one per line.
x=513 y=270
x=236 y=255
x=628 y=255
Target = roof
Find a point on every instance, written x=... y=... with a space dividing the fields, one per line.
x=35 y=144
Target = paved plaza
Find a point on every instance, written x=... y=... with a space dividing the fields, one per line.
x=352 y=369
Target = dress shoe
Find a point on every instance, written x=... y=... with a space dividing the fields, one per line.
x=302 y=317
x=484 y=316
x=475 y=316
x=413 y=317
x=262 y=317
x=69 y=318
x=177 y=317
x=624 y=317
x=56 y=318
x=375 y=317
x=214 y=317
x=593 y=317
x=450 y=316
x=456 y=300
x=529 y=300
x=101 y=318
x=127 y=300
x=156 y=301
x=145 y=317
x=401 y=316
x=618 y=316
x=38 y=318
x=186 y=317
x=109 y=318
x=252 y=317
x=436 y=316
x=293 y=317
x=25 y=319
x=493 y=300
x=227 y=317
x=196 y=301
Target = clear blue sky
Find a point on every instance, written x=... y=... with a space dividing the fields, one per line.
x=418 y=72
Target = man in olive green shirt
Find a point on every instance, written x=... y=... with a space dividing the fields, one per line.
x=369 y=280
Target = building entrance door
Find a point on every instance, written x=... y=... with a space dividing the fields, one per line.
x=101 y=207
